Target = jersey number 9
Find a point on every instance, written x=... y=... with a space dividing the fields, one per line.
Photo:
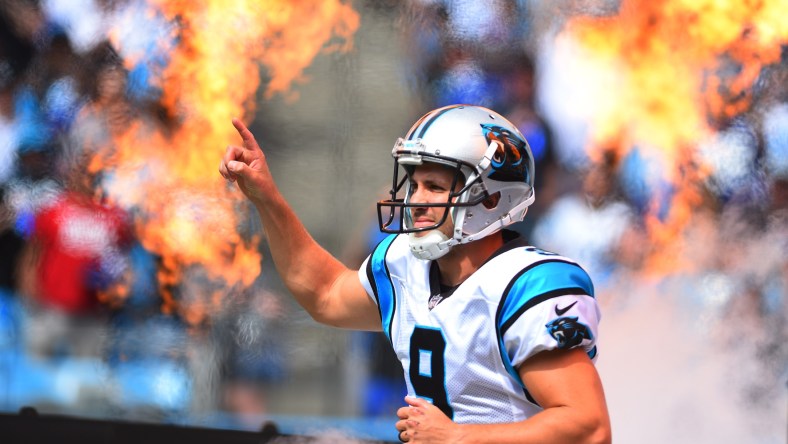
x=427 y=367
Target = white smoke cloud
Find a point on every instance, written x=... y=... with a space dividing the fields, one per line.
x=699 y=357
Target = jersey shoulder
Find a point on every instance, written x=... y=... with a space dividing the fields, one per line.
x=534 y=276
x=548 y=303
x=528 y=264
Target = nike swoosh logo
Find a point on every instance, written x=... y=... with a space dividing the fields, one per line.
x=561 y=311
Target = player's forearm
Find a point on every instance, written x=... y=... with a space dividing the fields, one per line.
x=305 y=267
x=554 y=425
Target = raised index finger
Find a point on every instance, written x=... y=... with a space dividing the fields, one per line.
x=246 y=135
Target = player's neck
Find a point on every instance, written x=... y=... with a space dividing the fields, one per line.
x=463 y=260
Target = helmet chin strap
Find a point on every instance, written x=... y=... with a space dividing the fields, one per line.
x=431 y=246
x=435 y=244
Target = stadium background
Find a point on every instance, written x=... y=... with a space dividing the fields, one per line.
x=689 y=257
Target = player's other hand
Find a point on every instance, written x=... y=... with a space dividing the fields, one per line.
x=247 y=166
x=422 y=422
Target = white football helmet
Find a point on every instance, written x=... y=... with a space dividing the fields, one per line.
x=493 y=162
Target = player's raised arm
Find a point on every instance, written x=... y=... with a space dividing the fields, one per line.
x=329 y=291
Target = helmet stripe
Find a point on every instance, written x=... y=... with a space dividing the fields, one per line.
x=429 y=121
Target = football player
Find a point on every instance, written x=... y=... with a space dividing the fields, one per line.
x=497 y=338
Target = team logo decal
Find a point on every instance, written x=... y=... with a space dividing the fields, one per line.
x=507 y=162
x=568 y=332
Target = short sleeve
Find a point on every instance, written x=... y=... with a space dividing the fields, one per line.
x=562 y=322
x=376 y=280
x=548 y=305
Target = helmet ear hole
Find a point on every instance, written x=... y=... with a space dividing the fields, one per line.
x=500 y=152
x=492 y=201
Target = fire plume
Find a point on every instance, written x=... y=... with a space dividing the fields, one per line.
x=167 y=174
x=664 y=75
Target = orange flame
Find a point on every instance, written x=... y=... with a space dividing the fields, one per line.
x=662 y=75
x=187 y=214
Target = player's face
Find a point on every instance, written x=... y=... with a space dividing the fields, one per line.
x=431 y=183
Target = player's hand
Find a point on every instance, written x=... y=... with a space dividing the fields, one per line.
x=421 y=422
x=247 y=166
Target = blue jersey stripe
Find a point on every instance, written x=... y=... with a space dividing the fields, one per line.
x=539 y=282
x=382 y=287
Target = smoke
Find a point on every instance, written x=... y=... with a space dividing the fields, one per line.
x=668 y=378
x=700 y=356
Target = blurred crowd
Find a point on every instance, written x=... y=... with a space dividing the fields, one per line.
x=84 y=325
x=78 y=291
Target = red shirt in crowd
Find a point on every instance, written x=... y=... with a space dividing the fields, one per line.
x=81 y=242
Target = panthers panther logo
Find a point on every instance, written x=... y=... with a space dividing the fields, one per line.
x=568 y=332
x=507 y=162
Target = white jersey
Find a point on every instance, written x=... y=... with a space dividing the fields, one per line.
x=462 y=355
